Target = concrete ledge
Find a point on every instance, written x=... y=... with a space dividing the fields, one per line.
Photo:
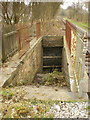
x=15 y=70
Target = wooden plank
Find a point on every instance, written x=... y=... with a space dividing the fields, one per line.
x=10 y=33
x=51 y=57
x=52 y=66
x=53 y=38
x=54 y=43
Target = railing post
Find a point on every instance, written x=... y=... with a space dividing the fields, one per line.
x=1 y=47
x=38 y=29
x=68 y=35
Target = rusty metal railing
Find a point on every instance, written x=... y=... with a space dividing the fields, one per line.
x=75 y=38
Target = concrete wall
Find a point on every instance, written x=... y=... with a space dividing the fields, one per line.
x=70 y=75
x=65 y=65
x=30 y=64
x=67 y=68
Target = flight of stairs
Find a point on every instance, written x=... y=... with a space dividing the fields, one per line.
x=52 y=53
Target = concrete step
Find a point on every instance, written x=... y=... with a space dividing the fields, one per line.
x=52 y=93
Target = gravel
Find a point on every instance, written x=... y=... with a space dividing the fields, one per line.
x=70 y=110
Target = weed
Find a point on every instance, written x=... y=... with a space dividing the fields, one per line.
x=87 y=108
x=23 y=109
x=7 y=94
x=55 y=78
x=56 y=72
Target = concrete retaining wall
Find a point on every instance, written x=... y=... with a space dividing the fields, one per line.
x=67 y=68
x=29 y=65
x=65 y=65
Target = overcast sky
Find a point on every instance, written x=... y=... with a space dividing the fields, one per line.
x=65 y=5
x=66 y=2
x=69 y=2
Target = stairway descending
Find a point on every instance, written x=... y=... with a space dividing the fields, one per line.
x=52 y=53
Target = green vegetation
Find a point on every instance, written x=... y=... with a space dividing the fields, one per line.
x=28 y=108
x=14 y=105
x=79 y=24
x=31 y=108
x=87 y=108
x=7 y=94
x=55 y=78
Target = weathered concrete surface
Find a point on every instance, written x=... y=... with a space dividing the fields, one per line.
x=50 y=93
x=52 y=41
x=86 y=82
x=8 y=69
x=22 y=71
x=75 y=86
x=67 y=68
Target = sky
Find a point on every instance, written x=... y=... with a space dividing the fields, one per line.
x=69 y=2
x=65 y=5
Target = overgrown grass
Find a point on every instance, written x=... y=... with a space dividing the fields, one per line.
x=83 y=25
x=7 y=93
x=87 y=108
x=28 y=109
x=55 y=78
x=31 y=108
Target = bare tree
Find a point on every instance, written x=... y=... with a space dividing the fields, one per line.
x=12 y=12
x=76 y=12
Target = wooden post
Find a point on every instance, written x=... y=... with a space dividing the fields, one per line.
x=38 y=29
x=68 y=35
x=1 y=46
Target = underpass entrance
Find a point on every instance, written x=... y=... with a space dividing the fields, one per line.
x=52 y=53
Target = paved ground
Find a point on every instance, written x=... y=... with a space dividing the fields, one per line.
x=53 y=93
